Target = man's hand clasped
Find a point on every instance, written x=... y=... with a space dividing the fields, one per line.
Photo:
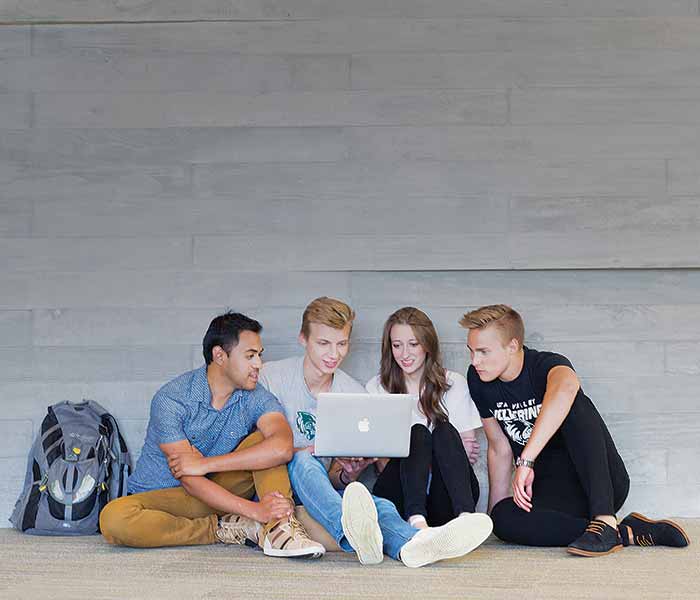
x=272 y=507
x=187 y=463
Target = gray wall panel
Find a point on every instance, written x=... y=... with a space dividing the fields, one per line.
x=441 y=154
x=15 y=328
x=519 y=142
x=15 y=290
x=681 y=467
x=15 y=217
x=158 y=10
x=93 y=363
x=355 y=252
x=446 y=180
x=684 y=176
x=127 y=399
x=99 y=148
x=658 y=431
x=683 y=497
x=211 y=108
x=16 y=436
x=14 y=41
x=358 y=35
x=176 y=288
x=604 y=250
x=15 y=110
x=524 y=288
x=214 y=73
x=626 y=105
x=13 y=471
x=479 y=70
x=599 y=214
x=639 y=394
x=128 y=188
x=91 y=254
x=570 y=323
x=683 y=358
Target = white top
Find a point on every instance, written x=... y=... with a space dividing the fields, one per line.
x=461 y=411
x=285 y=379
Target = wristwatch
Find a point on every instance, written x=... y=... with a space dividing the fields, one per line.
x=524 y=462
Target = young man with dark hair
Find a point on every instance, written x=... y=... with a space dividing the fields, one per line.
x=569 y=478
x=357 y=521
x=215 y=438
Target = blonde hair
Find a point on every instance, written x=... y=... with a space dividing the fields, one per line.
x=327 y=311
x=507 y=320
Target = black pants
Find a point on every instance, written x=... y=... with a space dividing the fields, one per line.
x=454 y=488
x=583 y=479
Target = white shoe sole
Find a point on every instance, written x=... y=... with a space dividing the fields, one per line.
x=313 y=552
x=361 y=525
x=456 y=538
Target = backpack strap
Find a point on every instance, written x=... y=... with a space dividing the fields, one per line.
x=51 y=436
x=119 y=467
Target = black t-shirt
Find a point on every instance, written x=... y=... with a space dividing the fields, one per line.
x=516 y=404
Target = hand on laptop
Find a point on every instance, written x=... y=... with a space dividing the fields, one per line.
x=352 y=467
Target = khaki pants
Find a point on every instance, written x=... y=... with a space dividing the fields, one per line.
x=171 y=517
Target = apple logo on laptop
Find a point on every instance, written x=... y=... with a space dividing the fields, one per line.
x=363 y=425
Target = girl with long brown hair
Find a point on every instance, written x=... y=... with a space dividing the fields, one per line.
x=436 y=482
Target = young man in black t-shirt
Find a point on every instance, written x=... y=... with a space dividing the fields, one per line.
x=569 y=479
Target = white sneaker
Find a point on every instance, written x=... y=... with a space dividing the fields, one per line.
x=456 y=538
x=361 y=524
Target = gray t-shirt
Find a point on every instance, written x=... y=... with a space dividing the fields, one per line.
x=285 y=379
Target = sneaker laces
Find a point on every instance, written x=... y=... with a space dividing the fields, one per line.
x=596 y=527
x=232 y=533
x=297 y=528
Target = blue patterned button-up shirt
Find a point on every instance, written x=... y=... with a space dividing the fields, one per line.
x=182 y=410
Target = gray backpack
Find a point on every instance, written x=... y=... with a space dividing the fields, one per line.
x=78 y=463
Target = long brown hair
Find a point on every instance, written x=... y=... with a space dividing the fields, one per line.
x=433 y=383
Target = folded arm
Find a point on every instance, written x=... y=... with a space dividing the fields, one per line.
x=271 y=507
x=275 y=449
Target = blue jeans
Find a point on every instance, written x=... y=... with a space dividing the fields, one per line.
x=324 y=503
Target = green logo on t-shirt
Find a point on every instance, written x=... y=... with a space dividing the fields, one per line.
x=306 y=424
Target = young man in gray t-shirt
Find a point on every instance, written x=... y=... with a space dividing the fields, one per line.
x=358 y=521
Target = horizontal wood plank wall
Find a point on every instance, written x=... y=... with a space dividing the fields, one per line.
x=163 y=162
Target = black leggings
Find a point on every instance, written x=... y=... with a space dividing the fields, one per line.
x=454 y=488
x=583 y=479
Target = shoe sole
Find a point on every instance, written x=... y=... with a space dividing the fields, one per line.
x=298 y=553
x=589 y=554
x=457 y=538
x=675 y=526
x=361 y=525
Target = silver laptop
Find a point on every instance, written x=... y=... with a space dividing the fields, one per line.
x=364 y=425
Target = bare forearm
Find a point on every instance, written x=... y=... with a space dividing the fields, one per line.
x=555 y=407
x=213 y=495
x=271 y=452
x=500 y=472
